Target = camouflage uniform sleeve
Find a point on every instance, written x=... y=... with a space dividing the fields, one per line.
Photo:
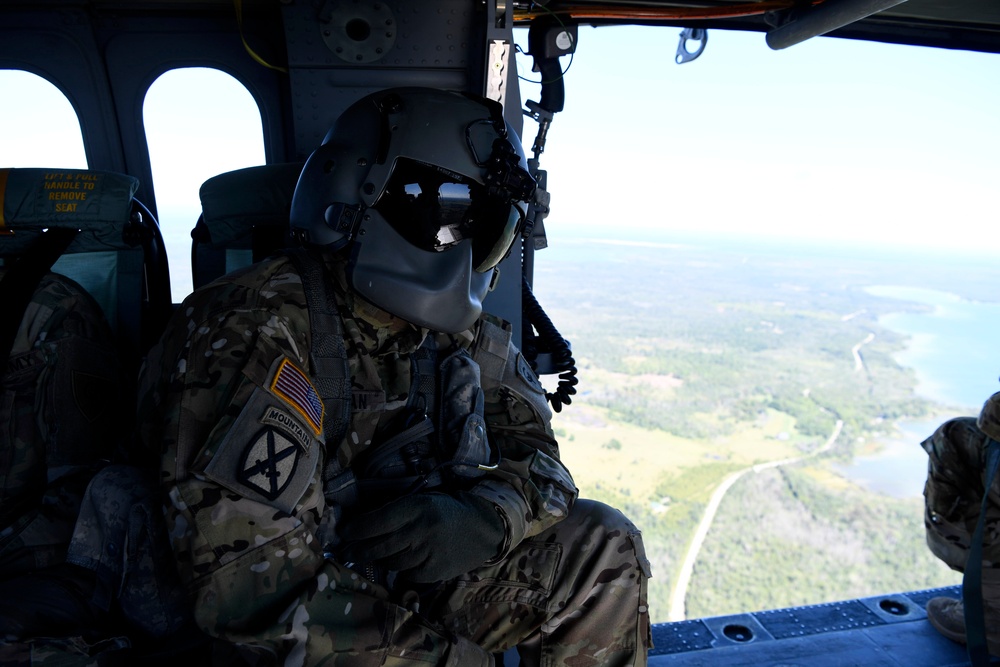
x=200 y=392
x=531 y=486
x=226 y=397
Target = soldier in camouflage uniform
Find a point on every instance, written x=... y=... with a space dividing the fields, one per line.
x=954 y=495
x=400 y=500
x=60 y=387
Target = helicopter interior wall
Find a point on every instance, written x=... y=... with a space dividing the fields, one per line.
x=88 y=56
x=369 y=48
x=65 y=53
x=105 y=60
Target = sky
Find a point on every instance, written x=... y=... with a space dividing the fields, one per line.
x=832 y=140
x=828 y=139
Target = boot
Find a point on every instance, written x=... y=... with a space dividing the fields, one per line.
x=947 y=615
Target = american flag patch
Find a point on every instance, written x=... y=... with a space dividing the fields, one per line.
x=292 y=385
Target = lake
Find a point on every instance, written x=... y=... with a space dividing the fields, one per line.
x=899 y=468
x=954 y=349
x=955 y=353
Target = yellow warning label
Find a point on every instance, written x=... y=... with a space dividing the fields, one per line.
x=69 y=188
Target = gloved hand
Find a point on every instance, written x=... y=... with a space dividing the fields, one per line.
x=426 y=537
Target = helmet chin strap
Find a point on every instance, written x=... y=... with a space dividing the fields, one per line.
x=494 y=279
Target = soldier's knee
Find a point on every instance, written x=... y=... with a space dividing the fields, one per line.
x=956 y=447
x=121 y=487
x=611 y=532
x=115 y=498
x=596 y=512
x=121 y=536
x=594 y=516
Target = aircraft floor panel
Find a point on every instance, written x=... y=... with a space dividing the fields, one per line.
x=888 y=630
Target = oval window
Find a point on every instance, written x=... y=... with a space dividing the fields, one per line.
x=38 y=125
x=199 y=122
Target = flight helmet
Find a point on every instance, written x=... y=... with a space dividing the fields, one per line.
x=427 y=189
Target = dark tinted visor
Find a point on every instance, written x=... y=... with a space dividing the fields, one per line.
x=435 y=209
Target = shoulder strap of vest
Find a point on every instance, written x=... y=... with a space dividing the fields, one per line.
x=423 y=386
x=328 y=355
x=490 y=350
x=21 y=279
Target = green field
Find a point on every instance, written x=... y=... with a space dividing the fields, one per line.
x=696 y=364
x=798 y=534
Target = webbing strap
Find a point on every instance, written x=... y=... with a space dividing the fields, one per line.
x=490 y=351
x=972 y=582
x=19 y=282
x=329 y=354
x=423 y=386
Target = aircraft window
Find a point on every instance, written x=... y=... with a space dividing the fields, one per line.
x=38 y=125
x=778 y=274
x=199 y=122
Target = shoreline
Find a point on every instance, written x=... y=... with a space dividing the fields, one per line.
x=897 y=464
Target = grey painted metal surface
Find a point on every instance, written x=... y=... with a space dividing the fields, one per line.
x=890 y=630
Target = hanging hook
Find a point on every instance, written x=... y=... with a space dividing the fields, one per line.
x=699 y=35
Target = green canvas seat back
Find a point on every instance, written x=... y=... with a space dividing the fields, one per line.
x=117 y=254
x=244 y=219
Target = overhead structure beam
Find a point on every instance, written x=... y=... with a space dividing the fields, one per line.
x=823 y=18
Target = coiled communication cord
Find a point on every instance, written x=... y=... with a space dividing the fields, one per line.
x=552 y=342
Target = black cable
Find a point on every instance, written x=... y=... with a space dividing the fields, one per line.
x=553 y=342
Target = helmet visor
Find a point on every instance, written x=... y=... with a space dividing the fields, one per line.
x=435 y=209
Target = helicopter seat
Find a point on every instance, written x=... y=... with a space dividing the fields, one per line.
x=244 y=219
x=87 y=226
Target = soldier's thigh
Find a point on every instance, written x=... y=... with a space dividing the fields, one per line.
x=576 y=564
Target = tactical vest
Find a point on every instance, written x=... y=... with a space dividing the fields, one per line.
x=439 y=438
